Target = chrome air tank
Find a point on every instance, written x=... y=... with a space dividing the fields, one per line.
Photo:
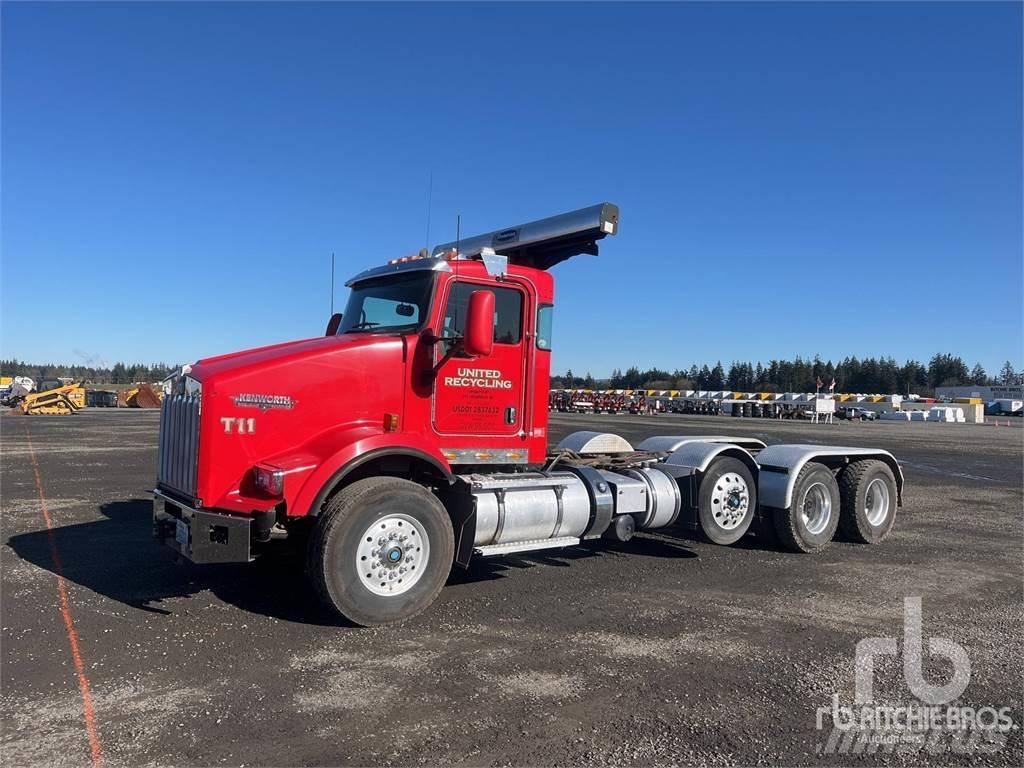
x=529 y=506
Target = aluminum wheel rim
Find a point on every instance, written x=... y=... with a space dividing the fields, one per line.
x=816 y=510
x=730 y=500
x=392 y=555
x=876 y=502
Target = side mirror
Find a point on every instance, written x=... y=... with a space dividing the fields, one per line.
x=333 y=324
x=479 y=338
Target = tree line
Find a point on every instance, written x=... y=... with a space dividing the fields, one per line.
x=119 y=373
x=869 y=375
x=881 y=375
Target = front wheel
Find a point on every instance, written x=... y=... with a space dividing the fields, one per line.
x=381 y=550
x=726 y=501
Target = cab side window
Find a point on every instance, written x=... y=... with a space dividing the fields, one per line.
x=508 y=312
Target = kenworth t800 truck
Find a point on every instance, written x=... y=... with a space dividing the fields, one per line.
x=414 y=435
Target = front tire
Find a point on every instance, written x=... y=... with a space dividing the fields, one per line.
x=381 y=551
x=868 y=490
x=726 y=501
x=813 y=515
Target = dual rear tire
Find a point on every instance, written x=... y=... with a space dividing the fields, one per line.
x=813 y=515
x=868 y=490
x=860 y=501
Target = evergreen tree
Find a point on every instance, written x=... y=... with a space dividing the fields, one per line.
x=717 y=377
x=1007 y=376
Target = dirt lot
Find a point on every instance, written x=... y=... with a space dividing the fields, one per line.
x=664 y=650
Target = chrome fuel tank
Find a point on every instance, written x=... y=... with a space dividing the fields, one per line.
x=529 y=506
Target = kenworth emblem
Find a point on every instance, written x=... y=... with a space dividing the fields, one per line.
x=263 y=402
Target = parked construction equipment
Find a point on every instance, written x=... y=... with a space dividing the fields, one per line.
x=139 y=396
x=15 y=389
x=55 y=400
x=415 y=434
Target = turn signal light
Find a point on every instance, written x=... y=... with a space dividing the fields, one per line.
x=390 y=422
x=270 y=480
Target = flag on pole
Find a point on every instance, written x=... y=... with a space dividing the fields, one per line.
x=832 y=386
x=819 y=383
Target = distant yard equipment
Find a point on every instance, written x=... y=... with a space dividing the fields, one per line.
x=63 y=399
x=141 y=396
x=14 y=389
x=1005 y=407
x=101 y=398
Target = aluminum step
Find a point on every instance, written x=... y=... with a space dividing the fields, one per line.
x=492 y=550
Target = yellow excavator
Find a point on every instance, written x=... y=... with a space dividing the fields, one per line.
x=53 y=397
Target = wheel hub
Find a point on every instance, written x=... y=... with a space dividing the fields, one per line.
x=876 y=502
x=816 y=510
x=730 y=500
x=392 y=554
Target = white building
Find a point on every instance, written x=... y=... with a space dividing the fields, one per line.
x=987 y=394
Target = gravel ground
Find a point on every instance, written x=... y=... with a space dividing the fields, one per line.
x=664 y=650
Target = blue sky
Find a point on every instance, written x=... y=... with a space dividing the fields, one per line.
x=833 y=179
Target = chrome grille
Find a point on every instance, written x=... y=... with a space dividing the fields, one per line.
x=179 y=442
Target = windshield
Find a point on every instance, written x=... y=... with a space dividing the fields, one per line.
x=390 y=304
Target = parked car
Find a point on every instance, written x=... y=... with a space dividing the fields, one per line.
x=851 y=414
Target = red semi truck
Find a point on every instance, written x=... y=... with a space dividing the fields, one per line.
x=414 y=435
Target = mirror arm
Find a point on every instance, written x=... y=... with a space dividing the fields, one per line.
x=430 y=375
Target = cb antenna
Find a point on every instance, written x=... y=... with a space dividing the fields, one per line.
x=332 y=283
x=458 y=235
x=430 y=200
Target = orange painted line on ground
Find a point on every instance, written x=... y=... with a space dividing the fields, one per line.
x=65 y=611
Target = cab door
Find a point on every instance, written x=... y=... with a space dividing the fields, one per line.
x=482 y=397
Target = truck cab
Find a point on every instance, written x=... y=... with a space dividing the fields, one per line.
x=414 y=435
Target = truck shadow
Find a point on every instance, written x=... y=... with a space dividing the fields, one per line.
x=486 y=569
x=117 y=557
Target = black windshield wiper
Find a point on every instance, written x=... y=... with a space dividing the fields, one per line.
x=364 y=324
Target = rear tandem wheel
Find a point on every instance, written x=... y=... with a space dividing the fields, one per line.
x=868 y=490
x=726 y=501
x=813 y=515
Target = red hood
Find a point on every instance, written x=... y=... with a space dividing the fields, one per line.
x=313 y=386
x=248 y=361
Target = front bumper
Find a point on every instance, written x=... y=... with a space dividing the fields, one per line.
x=200 y=535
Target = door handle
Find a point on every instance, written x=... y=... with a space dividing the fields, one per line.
x=510 y=415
